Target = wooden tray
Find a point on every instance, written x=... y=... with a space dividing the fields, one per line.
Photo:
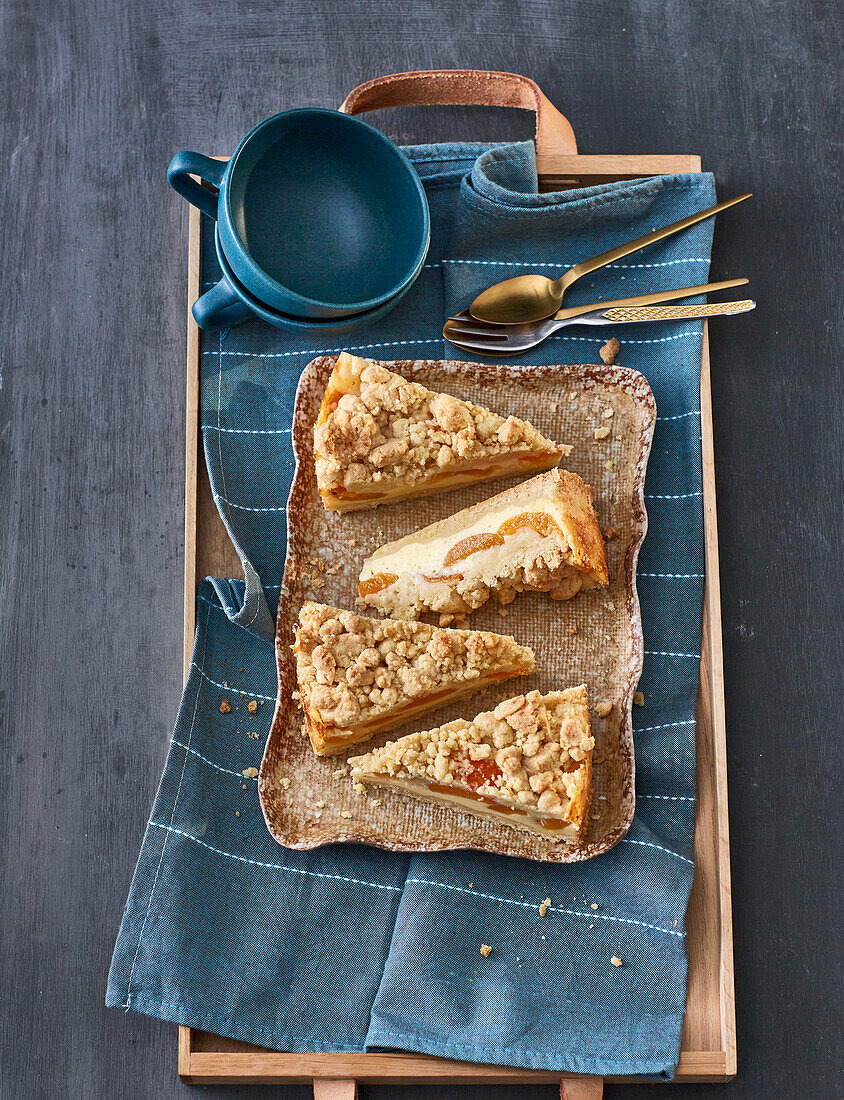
x=708 y=1050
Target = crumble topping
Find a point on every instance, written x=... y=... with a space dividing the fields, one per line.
x=532 y=750
x=353 y=670
x=485 y=950
x=385 y=427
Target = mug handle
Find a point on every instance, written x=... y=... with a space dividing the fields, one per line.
x=475 y=87
x=187 y=164
x=220 y=307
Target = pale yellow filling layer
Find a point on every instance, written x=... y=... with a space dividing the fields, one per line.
x=426 y=555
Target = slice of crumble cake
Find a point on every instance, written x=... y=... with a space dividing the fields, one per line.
x=527 y=764
x=380 y=437
x=358 y=676
x=541 y=536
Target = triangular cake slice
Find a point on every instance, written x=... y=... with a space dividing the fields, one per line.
x=540 y=536
x=527 y=764
x=360 y=676
x=380 y=437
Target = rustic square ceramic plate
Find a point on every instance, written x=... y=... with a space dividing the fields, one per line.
x=595 y=638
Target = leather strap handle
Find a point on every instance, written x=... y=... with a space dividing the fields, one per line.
x=467 y=87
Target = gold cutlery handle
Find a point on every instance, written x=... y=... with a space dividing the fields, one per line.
x=586 y=267
x=649 y=299
x=677 y=313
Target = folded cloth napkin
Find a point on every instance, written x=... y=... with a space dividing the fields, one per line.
x=348 y=948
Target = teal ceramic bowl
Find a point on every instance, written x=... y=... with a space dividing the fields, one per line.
x=236 y=305
x=319 y=214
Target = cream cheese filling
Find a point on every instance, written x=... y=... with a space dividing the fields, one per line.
x=427 y=555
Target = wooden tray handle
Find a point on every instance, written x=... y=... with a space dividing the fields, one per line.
x=329 y=1088
x=571 y=1088
x=467 y=87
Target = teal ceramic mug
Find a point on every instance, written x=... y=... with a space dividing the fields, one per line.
x=319 y=215
x=229 y=303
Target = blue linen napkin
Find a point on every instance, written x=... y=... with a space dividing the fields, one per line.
x=349 y=948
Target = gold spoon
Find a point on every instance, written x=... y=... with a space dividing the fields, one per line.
x=533 y=297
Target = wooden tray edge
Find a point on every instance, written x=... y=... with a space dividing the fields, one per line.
x=266 y=1067
x=712 y=596
x=192 y=441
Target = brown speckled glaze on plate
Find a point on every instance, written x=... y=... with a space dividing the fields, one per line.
x=565 y=403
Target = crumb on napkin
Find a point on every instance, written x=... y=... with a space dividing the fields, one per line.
x=609 y=351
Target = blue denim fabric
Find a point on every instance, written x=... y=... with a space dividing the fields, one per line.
x=350 y=948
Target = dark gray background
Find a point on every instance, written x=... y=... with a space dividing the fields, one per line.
x=97 y=97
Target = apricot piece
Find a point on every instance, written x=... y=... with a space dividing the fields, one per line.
x=478 y=772
x=376 y=583
x=471 y=545
x=540 y=522
x=447 y=577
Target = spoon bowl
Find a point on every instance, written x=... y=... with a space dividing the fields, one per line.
x=521 y=299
